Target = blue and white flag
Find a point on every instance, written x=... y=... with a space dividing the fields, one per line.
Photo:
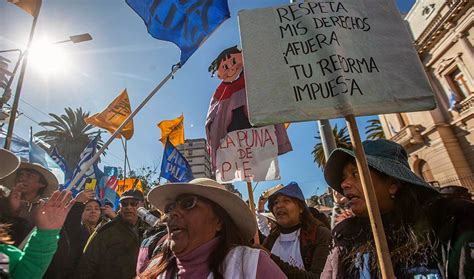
x=40 y=156
x=19 y=146
x=59 y=160
x=453 y=102
x=185 y=23
x=94 y=172
x=174 y=166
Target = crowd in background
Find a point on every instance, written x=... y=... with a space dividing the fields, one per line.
x=201 y=230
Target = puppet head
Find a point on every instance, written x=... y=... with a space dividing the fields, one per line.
x=228 y=64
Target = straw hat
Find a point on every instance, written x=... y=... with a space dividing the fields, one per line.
x=9 y=162
x=207 y=188
x=52 y=181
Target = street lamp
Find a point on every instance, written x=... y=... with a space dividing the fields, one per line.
x=24 y=56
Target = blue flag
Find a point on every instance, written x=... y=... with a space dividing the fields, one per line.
x=94 y=172
x=187 y=23
x=174 y=166
x=40 y=156
x=59 y=160
x=106 y=189
x=19 y=146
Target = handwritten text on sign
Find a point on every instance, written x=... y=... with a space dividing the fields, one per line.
x=328 y=59
x=248 y=155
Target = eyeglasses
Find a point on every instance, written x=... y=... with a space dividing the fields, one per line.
x=186 y=203
x=127 y=203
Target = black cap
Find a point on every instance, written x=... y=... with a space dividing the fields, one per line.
x=132 y=194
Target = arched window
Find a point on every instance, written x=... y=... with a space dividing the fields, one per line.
x=424 y=171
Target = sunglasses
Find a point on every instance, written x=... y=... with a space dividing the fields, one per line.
x=127 y=203
x=187 y=203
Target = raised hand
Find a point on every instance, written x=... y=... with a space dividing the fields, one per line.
x=85 y=195
x=109 y=211
x=15 y=198
x=51 y=214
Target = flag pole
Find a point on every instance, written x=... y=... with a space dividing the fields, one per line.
x=252 y=208
x=119 y=129
x=383 y=253
x=11 y=122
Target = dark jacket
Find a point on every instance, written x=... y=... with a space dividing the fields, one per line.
x=451 y=229
x=314 y=247
x=111 y=252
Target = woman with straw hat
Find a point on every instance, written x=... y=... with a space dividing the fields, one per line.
x=420 y=227
x=209 y=233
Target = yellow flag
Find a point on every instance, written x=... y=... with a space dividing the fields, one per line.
x=173 y=129
x=128 y=184
x=114 y=115
x=30 y=6
x=287 y=125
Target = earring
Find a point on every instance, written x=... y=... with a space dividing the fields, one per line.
x=392 y=196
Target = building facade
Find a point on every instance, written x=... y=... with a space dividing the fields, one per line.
x=195 y=152
x=440 y=142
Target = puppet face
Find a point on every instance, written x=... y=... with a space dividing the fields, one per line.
x=230 y=68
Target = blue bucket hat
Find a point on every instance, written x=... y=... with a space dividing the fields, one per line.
x=382 y=155
x=291 y=190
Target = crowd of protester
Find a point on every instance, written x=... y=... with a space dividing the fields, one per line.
x=205 y=231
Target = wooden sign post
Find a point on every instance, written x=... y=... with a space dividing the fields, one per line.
x=252 y=208
x=383 y=253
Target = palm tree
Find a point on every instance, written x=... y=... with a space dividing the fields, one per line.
x=69 y=133
x=374 y=130
x=342 y=140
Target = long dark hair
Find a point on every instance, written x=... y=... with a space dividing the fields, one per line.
x=407 y=227
x=229 y=237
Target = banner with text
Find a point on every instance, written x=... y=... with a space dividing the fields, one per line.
x=248 y=155
x=330 y=59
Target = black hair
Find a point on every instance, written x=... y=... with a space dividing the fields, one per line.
x=229 y=237
x=225 y=54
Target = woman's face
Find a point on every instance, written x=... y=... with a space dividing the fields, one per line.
x=191 y=223
x=91 y=213
x=287 y=211
x=352 y=187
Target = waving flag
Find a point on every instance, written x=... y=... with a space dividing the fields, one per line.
x=172 y=130
x=114 y=115
x=30 y=6
x=185 y=23
x=174 y=166
x=128 y=184
x=106 y=189
x=40 y=156
x=19 y=146
x=58 y=159
x=94 y=172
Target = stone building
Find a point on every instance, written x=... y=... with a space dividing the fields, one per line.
x=440 y=142
x=195 y=152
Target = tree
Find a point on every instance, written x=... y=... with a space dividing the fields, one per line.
x=69 y=133
x=342 y=140
x=374 y=130
x=148 y=175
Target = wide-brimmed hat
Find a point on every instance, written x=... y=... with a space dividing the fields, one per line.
x=51 y=180
x=235 y=207
x=383 y=155
x=9 y=162
x=291 y=190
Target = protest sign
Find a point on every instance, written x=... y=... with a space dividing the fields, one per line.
x=248 y=155
x=322 y=60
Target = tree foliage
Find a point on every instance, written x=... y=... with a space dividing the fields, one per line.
x=342 y=139
x=374 y=130
x=69 y=133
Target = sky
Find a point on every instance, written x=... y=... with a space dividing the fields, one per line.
x=123 y=55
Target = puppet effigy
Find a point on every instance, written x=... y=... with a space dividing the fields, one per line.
x=228 y=109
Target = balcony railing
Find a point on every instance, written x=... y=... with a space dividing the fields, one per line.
x=465 y=181
x=466 y=105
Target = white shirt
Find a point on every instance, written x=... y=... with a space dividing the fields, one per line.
x=287 y=247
